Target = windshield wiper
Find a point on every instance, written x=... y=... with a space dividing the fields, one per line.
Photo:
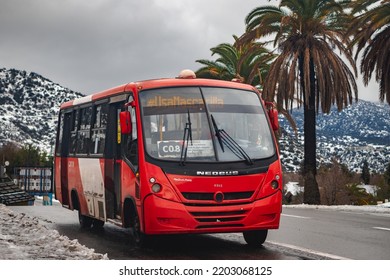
x=224 y=138
x=217 y=132
x=187 y=135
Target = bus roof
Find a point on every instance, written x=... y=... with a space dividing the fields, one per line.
x=157 y=83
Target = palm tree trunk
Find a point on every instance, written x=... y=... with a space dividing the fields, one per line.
x=311 y=194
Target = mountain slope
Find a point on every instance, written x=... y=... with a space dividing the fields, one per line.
x=359 y=132
x=29 y=105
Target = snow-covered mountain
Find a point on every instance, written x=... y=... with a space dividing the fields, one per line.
x=29 y=105
x=359 y=132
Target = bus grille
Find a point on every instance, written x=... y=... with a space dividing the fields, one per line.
x=219 y=218
x=210 y=196
x=219 y=226
x=219 y=214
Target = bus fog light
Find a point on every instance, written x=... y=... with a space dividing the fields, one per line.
x=274 y=184
x=156 y=188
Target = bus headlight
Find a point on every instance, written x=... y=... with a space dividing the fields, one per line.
x=274 y=184
x=156 y=188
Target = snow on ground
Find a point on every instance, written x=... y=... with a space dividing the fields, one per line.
x=381 y=208
x=294 y=188
x=24 y=238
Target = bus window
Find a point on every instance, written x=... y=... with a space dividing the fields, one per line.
x=98 y=138
x=84 y=133
x=242 y=117
x=167 y=113
x=238 y=114
x=73 y=133
x=59 y=134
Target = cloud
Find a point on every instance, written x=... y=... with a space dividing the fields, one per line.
x=89 y=46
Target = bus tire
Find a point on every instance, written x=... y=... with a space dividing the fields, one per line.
x=85 y=221
x=97 y=224
x=255 y=238
x=140 y=238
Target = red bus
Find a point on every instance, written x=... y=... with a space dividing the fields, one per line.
x=171 y=156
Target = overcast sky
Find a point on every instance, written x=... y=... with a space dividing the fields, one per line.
x=89 y=46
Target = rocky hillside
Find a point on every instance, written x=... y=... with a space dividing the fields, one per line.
x=360 y=132
x=29 y=105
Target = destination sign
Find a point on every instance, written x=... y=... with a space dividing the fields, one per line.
x=182 y=101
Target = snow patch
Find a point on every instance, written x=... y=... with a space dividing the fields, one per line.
x=24 y=238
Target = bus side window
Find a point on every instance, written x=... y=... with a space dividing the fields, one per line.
x=60 y=133
x=99 y=125
x=84 y=132
x=64 y=132
x=73 y=131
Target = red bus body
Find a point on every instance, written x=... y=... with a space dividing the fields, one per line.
x=135 y=175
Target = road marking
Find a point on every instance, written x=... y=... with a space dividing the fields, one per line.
x=294 y=216
x=318 y=253
x=380 y=214
x=382 y=228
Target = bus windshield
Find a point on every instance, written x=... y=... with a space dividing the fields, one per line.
x=205 y=124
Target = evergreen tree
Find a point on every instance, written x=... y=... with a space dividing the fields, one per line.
x=365 y=173
x=387 y=175
x=26 y=156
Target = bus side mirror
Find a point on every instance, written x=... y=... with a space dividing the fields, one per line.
x=273 y=115
x=125 y=122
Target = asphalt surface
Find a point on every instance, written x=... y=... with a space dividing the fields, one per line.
x=346 y=234
x=303 y=234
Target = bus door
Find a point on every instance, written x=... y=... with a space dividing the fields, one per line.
x=130 y=153
x=65 y=144
x=113 y=159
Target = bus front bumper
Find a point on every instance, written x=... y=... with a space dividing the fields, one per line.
x=162 y=216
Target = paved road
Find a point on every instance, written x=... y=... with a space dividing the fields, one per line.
x=303 y=234
x=352 y=235
x=118 y=243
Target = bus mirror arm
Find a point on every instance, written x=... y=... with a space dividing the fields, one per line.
x=273 y=115
x=130 y=104
x=125 y=122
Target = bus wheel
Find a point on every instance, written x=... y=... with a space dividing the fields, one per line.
x=85 y=221
x=255 y=237
x=98 y=224
x=140 y=239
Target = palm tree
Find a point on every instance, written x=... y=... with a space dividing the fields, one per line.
x=307 y=70
x=248 y=62
x=371 y=31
